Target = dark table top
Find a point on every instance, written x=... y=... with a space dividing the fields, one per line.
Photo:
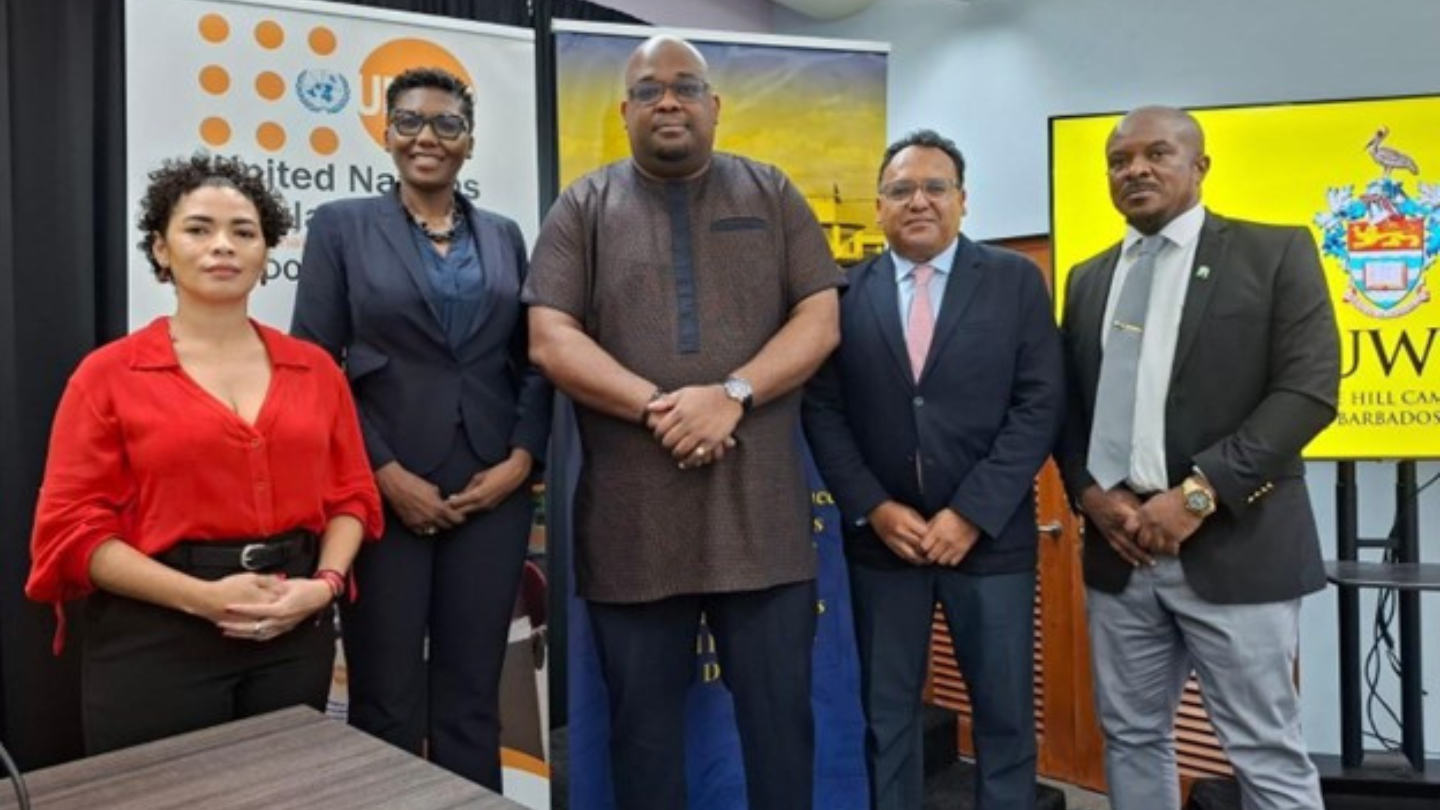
x=295 y=758
x=1404 y=576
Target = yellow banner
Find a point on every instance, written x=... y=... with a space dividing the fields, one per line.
x=1364 y=176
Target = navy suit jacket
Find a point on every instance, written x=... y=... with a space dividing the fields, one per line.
x=971 y=434
x=362 y=296
x=1256 y=375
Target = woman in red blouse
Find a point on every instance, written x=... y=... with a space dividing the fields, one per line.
x=206 y=488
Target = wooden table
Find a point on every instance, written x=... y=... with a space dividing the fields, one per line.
x=295 y=758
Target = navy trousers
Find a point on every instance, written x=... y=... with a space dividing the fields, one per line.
x=763 y=640
x=991 y=624
x=458 y=589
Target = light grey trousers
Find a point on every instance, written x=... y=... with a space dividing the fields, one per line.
x=1146 y=640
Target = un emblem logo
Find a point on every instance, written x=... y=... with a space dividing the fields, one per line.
x=322 y=91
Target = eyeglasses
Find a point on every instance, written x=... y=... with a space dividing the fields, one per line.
x=649 y=92
x=902 y=190
x=447 y=126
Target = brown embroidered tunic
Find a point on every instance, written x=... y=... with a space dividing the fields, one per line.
x=683 y=282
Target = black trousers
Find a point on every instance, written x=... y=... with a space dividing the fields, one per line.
x=148 y=672
x=458 y=588
x=764 y=641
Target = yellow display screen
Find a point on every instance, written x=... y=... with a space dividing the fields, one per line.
x=1364 y=177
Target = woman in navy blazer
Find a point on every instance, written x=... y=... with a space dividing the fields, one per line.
x=417 y=294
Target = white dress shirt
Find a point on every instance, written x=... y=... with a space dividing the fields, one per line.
x=1172 y=271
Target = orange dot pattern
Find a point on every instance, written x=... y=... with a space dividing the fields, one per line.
x=270 y=136
x=322 y=40
x=324 y=140
x=215 y=131
x=270 y=86
x=214 y=80
x=214 y=29
x=269 y=34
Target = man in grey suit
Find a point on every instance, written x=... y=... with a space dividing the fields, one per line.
x=1188 y=412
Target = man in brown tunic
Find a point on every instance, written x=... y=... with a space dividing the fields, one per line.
x=681 y=298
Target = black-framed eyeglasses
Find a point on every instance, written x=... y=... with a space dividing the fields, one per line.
x=447 y=126
x=649 y=92
x=901 y=191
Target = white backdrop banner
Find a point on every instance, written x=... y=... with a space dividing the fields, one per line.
x=297 y=90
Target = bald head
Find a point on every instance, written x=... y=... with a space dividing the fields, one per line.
x=647 y=51
x=1184 y=125
x=1155 y=158
x=669 y=109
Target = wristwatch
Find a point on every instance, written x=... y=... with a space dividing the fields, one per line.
x=740 y=390
x=1198 y=500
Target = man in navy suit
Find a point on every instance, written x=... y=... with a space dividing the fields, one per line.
x=1185 y=460
x=929 y=425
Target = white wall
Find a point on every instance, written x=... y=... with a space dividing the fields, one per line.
x=989 y=73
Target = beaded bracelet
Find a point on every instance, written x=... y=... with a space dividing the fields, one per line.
x=334 y=579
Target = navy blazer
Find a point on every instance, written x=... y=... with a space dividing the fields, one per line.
x=362 y=297
x=1256 y=376
x=971 y=434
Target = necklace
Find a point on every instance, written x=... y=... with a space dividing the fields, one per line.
x=447 y=235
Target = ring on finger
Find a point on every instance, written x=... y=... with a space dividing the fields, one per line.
x=702 y=450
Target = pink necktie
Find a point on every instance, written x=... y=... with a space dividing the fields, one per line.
x=920 y=328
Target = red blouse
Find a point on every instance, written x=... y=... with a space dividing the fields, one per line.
x=142 y=453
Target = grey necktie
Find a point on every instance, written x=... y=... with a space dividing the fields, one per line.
x=1113 y=427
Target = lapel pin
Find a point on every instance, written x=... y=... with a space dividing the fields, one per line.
x=1203 y=272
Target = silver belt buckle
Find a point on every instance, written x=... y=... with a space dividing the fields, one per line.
x=252 y=556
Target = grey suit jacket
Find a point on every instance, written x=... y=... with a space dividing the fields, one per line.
x=362 y=297
x=1256 y=376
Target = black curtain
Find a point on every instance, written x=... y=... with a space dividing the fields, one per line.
x=62 y=260
x=519 y=13
x=63 y=247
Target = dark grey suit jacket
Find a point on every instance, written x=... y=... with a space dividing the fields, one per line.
x=970 y=434
x=362 y=296
x=1256 y=376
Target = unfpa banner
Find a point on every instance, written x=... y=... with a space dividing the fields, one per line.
x=297 y=90
x=1365 y=177
x=777 y=95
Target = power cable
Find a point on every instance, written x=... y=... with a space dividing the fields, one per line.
x=1386 y=605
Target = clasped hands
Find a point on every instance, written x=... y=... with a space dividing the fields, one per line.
x=945 y=539
x=695 y=423
x=425 y=511
x=261 y=607
x=1136 y=530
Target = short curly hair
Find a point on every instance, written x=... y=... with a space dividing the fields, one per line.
x=177 y=177
x=435 y=79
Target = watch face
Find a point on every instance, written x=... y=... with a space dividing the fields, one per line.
x=737 y=389
x=1198 y=501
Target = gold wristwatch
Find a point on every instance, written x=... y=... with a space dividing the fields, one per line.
x=1198 y=499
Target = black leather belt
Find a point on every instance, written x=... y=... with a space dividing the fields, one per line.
x=259 y=554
